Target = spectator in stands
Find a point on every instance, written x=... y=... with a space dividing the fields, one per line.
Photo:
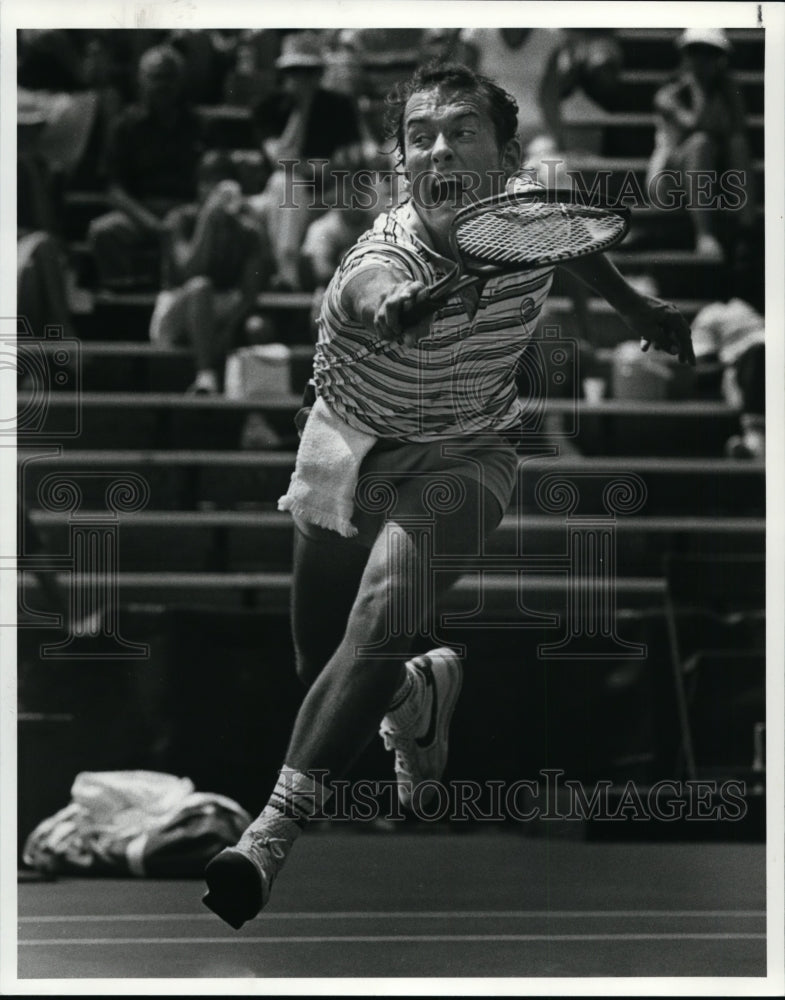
x=301 y=122
x=729 y=340
x=372 y=192
x=581 y=73
x=548 y=71
x=41 y=289
x=444 y=45
x=363 y=63
x=153 y=152
x=251 y=74
x=215 y=264
x=204 y=68
x=40 y=268
x=344 y=72
x=702 y=128
x=67 y=76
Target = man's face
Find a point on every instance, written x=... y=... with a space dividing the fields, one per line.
x=451 y=154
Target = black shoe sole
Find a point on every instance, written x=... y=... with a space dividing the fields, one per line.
x=234 y=892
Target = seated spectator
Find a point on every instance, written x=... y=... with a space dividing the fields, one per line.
x=250 y=76
x=444 y=45
x=701 y=128
x=204 y=68
x=549 y=71
x=387 y=56
x=330 y=236
x=516 y=58
x=301 y=122
x=41 y=290
x=40 y=266
x=215 y=264
x=66 y=76
x=729 y=340
x=581 y=76
x=153 y=151
x=344 y=72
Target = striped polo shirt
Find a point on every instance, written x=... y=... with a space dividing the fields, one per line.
x=456 y=381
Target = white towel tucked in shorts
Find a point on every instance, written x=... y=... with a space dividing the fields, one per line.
x=326 y=471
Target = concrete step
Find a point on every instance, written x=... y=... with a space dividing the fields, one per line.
x=631 y=133
x=245 y=541
x=193 y=480
x=168 y=420
x=124 y=318
x=500 y=593
x=139 y=366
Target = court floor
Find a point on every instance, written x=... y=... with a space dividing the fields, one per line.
x=477 y=904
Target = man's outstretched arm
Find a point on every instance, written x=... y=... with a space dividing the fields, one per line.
x=654 y=321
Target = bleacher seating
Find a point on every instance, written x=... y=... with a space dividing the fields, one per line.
x=210 y=533
x=131 y=388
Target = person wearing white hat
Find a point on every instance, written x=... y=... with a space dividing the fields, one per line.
x=713 y=38
x=701 y=130
x=304 y=122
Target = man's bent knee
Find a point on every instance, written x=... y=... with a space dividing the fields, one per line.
x=198 y=285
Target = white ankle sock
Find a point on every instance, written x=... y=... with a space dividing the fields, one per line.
x=295 y=798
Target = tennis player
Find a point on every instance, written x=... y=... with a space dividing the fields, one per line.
x=433 y=410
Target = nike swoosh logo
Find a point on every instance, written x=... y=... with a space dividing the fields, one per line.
x=426 y=740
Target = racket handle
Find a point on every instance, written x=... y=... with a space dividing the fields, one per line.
x=422 y=310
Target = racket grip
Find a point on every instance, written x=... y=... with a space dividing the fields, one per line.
x=422 y=310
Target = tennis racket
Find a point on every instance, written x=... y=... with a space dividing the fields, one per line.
x=523 y=231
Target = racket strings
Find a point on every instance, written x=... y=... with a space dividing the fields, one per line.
x=538 y=233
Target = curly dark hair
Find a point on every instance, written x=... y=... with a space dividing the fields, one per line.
x=502 y=107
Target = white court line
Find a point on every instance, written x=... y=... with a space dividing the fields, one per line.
x=407 y=915
x=388 y=938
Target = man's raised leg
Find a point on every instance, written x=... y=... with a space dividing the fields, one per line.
x=343 y=707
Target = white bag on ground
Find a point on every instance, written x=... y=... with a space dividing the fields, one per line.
x=139 y=823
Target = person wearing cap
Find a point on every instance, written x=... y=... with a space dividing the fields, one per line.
x=701 y=128
x=304 y=122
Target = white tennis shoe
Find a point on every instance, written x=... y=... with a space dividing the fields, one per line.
x=418 y=729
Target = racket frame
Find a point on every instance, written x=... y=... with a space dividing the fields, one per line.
x=468 y=271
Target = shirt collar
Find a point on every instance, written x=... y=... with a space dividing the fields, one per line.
x=406 y=215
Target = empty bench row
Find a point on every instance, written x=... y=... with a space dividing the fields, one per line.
x=193 y=480
x=515 y=599
x=84 y=420
x=126 y=317
x=253 y=541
